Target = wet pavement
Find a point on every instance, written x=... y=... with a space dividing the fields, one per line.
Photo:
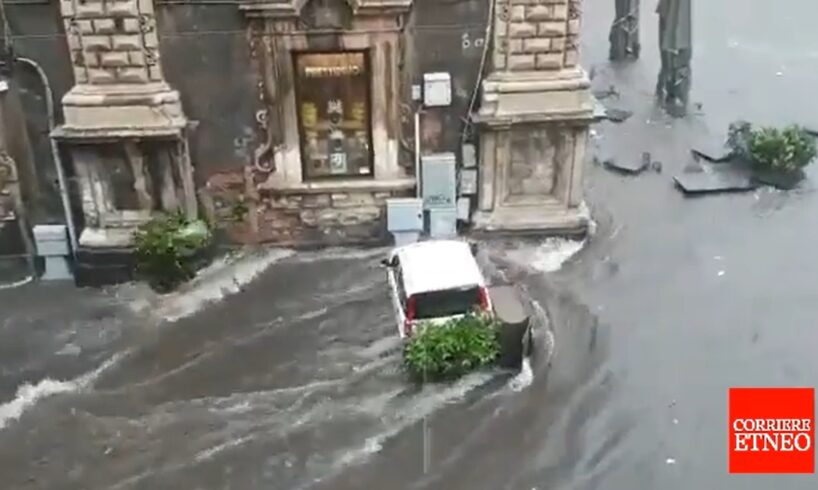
x=293 y=382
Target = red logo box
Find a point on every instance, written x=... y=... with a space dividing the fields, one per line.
x=771 y=430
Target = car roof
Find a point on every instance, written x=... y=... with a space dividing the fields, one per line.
x=438 y=265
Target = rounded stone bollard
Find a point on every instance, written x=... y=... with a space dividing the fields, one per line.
x=514 y=325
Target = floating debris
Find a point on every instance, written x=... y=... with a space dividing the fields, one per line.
x=611 y=91
x=629 y=167
x=712 y=153
x=617 y=115
x=727 y=179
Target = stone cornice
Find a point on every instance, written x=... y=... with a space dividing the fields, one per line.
x=292 y=8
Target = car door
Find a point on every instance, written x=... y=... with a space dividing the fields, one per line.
x=395 y=277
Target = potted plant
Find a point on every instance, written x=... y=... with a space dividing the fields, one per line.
x=777 y=156
x=169 y=250
x=448 y=351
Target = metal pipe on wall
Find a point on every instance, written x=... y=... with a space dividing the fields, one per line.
x=417 y=153
x=55 y=153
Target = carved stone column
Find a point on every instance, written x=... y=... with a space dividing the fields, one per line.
x=535 y=112
x=124 y=126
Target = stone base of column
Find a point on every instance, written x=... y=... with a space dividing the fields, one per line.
x=96 y=267
x=123 y=128
x=542 y=220
x=121 y=237
x=533 y=131
x=116 y=108
x=536 y=96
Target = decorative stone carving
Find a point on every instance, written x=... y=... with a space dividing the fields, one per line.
x=8 y=183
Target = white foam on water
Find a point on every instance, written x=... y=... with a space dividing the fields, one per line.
x=548 y=256
x=210 y=452
x=29 y=394
x=222 y=278
x=543 y=350
x=554 y=252
x=431 y=399
x=342 y=254
x=16 y=284
x=524 y=378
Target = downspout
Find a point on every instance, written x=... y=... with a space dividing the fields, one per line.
x=486 y=43
x=55 y=154
x=417 y=154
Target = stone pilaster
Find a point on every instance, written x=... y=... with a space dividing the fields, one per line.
x=114 y=50
x=534 y=115
x=120 y=115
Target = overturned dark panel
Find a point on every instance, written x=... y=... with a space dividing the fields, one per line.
x=630 y=166
x=514 y=324
x=712 y=182
x=712 y=150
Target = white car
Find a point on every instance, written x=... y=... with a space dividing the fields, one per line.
x=434 y=281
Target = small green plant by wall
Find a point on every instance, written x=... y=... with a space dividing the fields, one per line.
x=168 y=249
x=450 y=350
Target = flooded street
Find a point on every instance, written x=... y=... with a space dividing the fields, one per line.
x=293 y=380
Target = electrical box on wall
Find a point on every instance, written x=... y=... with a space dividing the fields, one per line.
x=468 y=181
x=404 y=219
x=437 y=89
x=438 y=180
x=417 y=92
x=469 y=155
x=442 y=222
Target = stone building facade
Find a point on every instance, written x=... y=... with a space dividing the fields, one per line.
x=290 y=121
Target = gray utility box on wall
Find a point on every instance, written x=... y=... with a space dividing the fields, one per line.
x=438 y=181
x=404 y=219
x=52 y=244
x=442 y=222
x=439 y=192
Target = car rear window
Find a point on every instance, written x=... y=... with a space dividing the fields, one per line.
x=446 y=303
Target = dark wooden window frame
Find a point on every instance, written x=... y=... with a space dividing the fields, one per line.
x=367 y=63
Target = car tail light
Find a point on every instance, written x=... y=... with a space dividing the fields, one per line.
x=483 y=298
x=410 y=316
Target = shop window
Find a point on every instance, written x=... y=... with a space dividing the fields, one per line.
x=332 y=92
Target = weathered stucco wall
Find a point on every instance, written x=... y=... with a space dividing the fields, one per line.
x=206 y=58
x=447 y=37
x=37 y=34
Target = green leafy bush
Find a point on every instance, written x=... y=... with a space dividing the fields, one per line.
x=448 y=351
x=785 y=150
x=167 y=249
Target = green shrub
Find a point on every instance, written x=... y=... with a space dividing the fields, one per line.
x=448 y=351
x=167 y=248
x=785 y=150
